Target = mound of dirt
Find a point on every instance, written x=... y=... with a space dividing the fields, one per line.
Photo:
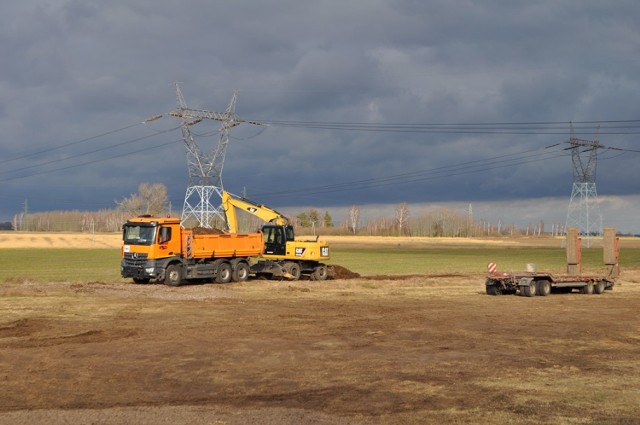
x=340 y=272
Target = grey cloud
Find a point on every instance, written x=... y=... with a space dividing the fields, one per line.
x=72 y=70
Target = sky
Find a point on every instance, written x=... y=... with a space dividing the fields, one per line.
x=368 y=103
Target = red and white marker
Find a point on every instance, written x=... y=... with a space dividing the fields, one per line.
x=492 y=267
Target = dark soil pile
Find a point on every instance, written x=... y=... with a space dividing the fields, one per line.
x=340 y=272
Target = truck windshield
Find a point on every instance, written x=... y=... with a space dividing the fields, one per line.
x=139 y=235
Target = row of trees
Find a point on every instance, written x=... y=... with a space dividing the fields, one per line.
x=433 y=222
x=153 y=199
x=150 y=199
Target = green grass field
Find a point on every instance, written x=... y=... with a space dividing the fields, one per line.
x=60 y=265
x=470 y=260
x=82 y=265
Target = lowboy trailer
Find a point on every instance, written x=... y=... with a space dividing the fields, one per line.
x=530 y=284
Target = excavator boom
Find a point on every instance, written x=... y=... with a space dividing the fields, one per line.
x=230 y=202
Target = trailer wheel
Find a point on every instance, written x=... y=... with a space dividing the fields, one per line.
x=173 y=275
x=224 y=273
x=587 y=289
x=544 y=288
x=529 y=290
x=241 y=272
x=599 y=287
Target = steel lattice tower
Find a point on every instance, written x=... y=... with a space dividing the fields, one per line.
x=205 y=170
x=584 y=211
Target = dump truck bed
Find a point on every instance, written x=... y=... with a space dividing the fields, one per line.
x=222 y=246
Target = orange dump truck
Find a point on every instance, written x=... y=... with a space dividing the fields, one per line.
x=158 y=248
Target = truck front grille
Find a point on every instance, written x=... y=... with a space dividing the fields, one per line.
x=134 y=259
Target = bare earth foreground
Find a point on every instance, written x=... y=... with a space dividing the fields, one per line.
x=384 y=350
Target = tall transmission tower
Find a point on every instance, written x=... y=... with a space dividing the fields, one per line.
x=584 y=211
x=205 y=169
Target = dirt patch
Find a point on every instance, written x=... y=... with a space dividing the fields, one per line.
x=413 y=349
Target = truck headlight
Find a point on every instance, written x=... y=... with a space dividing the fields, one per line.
x=149 y=270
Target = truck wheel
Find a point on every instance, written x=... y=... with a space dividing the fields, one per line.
x=224 y=273
x=587 y=289
x=294 y=270
x=320 y=273
x=529 y=290
x=241 y=272
x=544 y=288
x=173 y=275
x=599 y=287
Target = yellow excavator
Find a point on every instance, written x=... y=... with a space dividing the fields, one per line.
x=283 y=255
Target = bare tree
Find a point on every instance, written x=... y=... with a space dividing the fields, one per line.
x=150 y=199
x=354 y=218
x=402 y=216
x=17 y=221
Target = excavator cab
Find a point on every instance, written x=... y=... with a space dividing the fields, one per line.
x=275 y=239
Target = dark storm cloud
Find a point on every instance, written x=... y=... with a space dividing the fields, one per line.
x=72 y=70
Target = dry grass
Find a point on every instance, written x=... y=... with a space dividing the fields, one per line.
x=59 y=240
x=364 y=351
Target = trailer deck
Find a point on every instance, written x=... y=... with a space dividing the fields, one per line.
x=539 y=283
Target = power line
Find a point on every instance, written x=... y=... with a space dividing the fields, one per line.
x=531 y=128
x=146 y=149
x=77 y=142
x=623 y=127
x=53 y=161
x=505 y=128
x=507 y=160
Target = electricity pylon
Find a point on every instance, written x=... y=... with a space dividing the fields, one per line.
x=584 y=211
x=205 y=170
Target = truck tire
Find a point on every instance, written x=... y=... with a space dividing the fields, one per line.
x=241 y=272
x=587 y=289
x=224 y=273
x=320 y=273
x=529 y=290
x=599 y=287
x=544 y=288
x=173 y=275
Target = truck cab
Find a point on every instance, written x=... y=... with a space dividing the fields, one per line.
x=146 y=241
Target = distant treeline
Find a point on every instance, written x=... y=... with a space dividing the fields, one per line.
x=432 y=222
x=70 y=221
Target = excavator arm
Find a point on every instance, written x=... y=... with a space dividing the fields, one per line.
x=230 y=202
